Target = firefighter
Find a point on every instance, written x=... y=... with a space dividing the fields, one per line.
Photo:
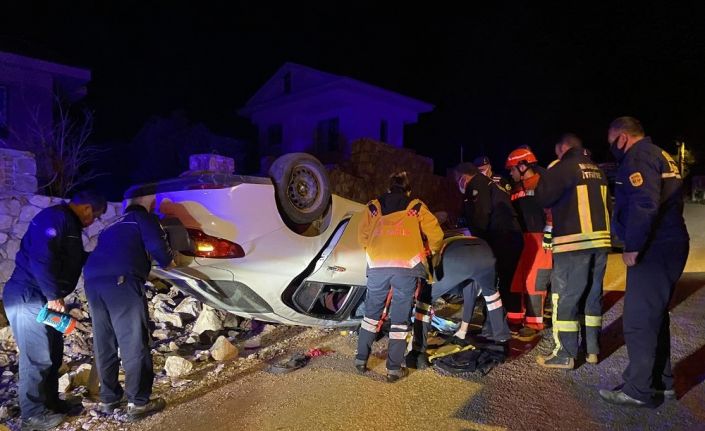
x=396 y=232
x=485 y=167
x=575 y=190
x=115 y=275
x=47 y=268
x=533 y=273
x=488 y=213
x=648 y=217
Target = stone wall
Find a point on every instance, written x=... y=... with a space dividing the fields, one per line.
x=366 y=175
x=18 y=172
x=16 y=212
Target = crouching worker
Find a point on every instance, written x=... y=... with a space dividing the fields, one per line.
x=393 y=231
x=467 y=263
x=115 y=274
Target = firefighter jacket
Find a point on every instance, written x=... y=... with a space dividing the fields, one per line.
x=648 y=198
x=532 y=217
x=487 y=208
x=128 y=245
x=398 y=232
x=575 y=190
x=51 y=253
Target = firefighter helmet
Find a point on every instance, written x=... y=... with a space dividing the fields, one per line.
x=520 y=156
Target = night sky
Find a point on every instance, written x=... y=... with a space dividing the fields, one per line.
x=500 y=75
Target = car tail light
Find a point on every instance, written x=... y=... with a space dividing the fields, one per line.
x=213 y=247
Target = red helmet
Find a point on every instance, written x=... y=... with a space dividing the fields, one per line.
x=519 y=156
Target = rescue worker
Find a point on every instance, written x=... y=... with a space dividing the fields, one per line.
x=533 y=274
x=467 y=263
x=488 y=213
x=115 y=275
x=396 y=232
x=47 y=268
x=485 y=167
x=648 y=217
x=575 y=189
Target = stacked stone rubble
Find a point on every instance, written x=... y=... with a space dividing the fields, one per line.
x=366 y=174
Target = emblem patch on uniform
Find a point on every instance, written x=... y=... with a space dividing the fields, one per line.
x=636 y=179
x=475 y=193
x=50 y=232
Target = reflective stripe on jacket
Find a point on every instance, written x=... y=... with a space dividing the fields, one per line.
x=575 y=190
x=396 y=239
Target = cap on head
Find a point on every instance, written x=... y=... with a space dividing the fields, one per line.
x=520 y=156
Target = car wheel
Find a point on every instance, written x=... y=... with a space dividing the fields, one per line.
x=301 y=187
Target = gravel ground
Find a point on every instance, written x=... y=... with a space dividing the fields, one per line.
x=328 y=394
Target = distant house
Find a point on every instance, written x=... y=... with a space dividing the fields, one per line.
x=28 y=90
x=303 y=109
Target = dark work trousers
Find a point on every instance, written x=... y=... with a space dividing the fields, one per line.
x=650 y=286
x=402 y=281
x=119 y=316
x=469 y=264
x=507 y=247
x=577 y=276
x=422 y=317
x=41 y=349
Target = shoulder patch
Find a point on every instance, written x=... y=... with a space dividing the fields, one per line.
x=636 y=179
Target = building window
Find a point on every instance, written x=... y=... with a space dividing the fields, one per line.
x=287 y=83
x=275 y=138
x=328 y=135
x=383 y=130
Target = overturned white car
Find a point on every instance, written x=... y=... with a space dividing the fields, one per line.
x=279 y=249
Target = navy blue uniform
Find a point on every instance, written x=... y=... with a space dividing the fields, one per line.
x=47 y=267
x=489 y=214
x=114 y=277
x=648 y=217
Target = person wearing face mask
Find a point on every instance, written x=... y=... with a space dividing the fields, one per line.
x=485 y=167
x=648 y=217
x=489 y=215
x=533 y=274
x=575 y=190
x=47 y=268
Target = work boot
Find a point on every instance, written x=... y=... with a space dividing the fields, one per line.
x=621 y=399
x=526 y=333
x=553 y=361
x=361 y=366
x=417 y=360
x=135 y=413
x=43 y=421
x=396 y=375
x=591 y=358
x=109 y=408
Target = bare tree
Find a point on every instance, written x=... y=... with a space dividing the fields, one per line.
x=64 y=149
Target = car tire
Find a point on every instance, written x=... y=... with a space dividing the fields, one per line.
x=301 y=187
